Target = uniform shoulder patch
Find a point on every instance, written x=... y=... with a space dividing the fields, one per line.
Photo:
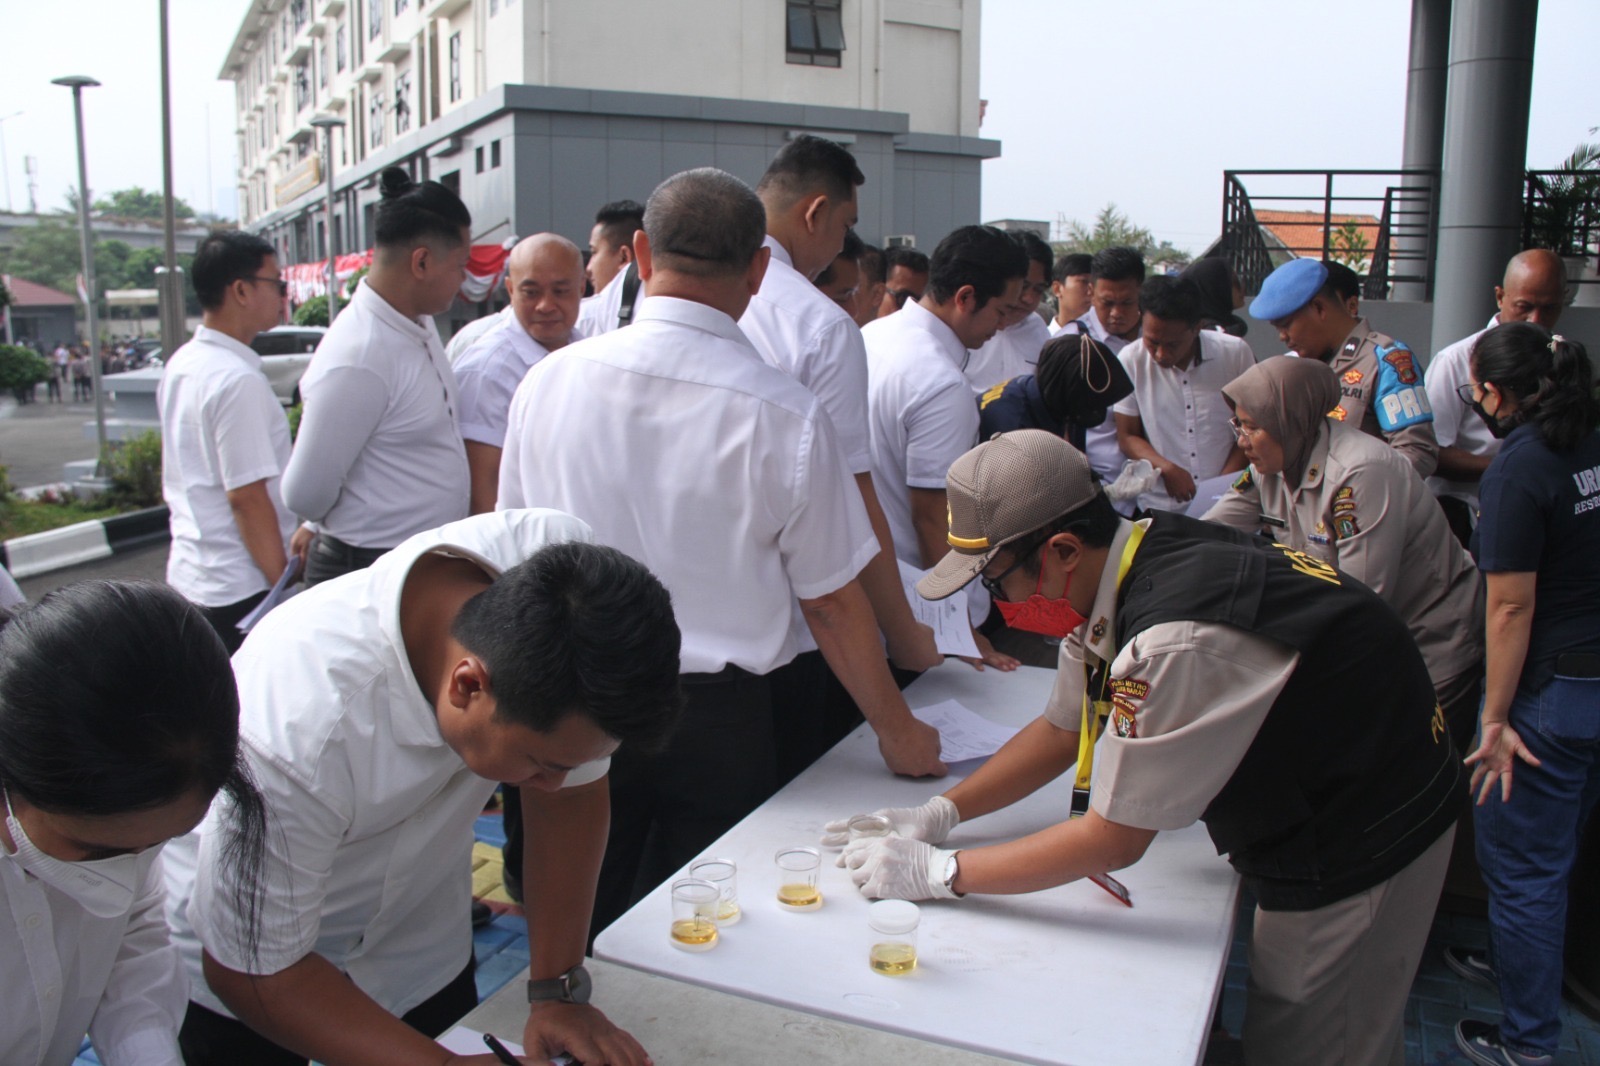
x=1243 y=482
x=1338 y=414
x=1124 y=717
x=1353 y=377
x=1401 y=401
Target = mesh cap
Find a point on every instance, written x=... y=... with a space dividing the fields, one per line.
x=1003 y=489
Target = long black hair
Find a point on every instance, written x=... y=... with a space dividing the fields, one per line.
x=117 y=696
x=1549 y=377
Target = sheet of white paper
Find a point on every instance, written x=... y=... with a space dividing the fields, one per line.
x=963 y=734
x=464 y=1041
x=952 y=630
x=1209 y=492
x=278 y=593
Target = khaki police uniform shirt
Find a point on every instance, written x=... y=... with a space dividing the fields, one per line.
x=1187 y=700
x=1381 y=393
x=1361 y=507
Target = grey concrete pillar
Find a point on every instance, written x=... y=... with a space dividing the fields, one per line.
x=1426 y=78
x=1485 y=149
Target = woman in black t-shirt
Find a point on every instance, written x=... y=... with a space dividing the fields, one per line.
x=1538 y=544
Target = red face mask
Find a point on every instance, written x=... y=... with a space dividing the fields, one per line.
x=1038 y=614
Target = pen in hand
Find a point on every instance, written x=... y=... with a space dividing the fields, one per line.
x=500 y=1051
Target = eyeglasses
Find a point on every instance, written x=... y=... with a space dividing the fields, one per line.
x=1241 y=430
x=1464 y=390
x=900 y=296
x=992 y=584
x=282 y=284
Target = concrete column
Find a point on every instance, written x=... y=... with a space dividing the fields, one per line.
x=1485 y=148
x=1423 y=143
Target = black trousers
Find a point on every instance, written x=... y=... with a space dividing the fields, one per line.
x=666 y=809
x=331 y=557
x=811 y=712
x=211 y=1039
x=225 y=620
x=1459 y=515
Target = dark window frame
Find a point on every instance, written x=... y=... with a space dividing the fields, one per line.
x=814 y=32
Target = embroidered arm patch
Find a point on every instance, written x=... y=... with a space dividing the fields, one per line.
x=1401 y=401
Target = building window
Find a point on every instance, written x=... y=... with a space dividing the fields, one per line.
x=375 y=119
x=322 y=65
x=400 y=6
x=494 y=7
x=494 y=154
x=302 y=88
x=338 y=48
x=374 y=19
x=402 y=102
x=816 y=32
x=297 y=11
x=477 y=159
x=455 y=66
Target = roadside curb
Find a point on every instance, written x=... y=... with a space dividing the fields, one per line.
x=83 y=542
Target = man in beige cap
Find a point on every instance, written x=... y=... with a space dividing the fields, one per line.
x=1230 y=671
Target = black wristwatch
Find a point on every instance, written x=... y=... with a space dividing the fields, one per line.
x=573 y=986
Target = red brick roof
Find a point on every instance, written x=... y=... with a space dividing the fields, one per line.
x=25 y=293
x=1302 y=231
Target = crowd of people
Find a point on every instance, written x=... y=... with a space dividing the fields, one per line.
x=637 y=556
x=71 y=365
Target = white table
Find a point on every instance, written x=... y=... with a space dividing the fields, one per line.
x=1064 y=976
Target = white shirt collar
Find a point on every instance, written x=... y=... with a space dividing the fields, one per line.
x=367 y=299
x=944 y=337
x=695 y=315
x=219 y=339
x=779 y=252
x=528 y=350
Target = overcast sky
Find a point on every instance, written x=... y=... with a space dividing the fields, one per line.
x=1141 y=102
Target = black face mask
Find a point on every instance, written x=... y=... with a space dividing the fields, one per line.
x=1497 y=428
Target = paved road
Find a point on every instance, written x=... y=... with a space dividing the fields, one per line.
x=148 y=562
x=36 y=440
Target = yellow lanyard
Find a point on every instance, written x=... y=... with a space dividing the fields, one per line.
x=1098 y=709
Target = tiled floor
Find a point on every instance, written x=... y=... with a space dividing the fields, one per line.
x=1438 y=997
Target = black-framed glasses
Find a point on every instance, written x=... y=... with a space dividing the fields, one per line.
x=281 y=283
x=1464 y=390
x=992 y=584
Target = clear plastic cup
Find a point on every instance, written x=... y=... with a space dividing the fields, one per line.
x=797 y=878
x=694 y=914
x=869 y=825
x=892 y=936
x=724 y=874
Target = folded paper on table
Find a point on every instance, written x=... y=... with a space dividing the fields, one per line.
x=963 y=734
x=465 y=1041
x=952 y=630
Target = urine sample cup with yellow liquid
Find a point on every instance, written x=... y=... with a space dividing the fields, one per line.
x=797 y=878
x=892 y=936
x=694 y=914
x=724 y=874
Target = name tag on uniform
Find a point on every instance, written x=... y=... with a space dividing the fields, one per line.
x=1268 y=520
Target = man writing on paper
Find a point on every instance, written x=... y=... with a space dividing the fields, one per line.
x=1228 y=670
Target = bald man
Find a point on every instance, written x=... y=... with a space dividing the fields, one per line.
x=1533 y=290
x=544 y=278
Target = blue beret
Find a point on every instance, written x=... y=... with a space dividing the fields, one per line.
x=1288 y=289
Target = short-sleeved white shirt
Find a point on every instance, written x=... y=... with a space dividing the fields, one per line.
x=468 y=334
x=921 y=411
x=1455 y=425
x=412 y=473
x=369 y=811
x=221 y=428
x=487 y=375
x=810 y=338
x=597 y=314
x=68 y=972
x=1184 y=414
x=1100 y=443
x=686 y=451
x=1010 y=353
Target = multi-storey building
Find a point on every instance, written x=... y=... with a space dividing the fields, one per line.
x=538 y=111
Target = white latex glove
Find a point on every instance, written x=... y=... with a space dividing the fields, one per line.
x=933 y=822
x=898 y=868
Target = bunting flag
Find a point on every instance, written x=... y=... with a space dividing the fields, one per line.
x=486 y=265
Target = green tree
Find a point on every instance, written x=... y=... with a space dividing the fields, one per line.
x=1348 y=245
x=135 y=202
x=1113 y=229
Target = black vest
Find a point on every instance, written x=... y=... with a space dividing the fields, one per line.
x=1351 y=775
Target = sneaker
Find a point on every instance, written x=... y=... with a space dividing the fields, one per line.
x=1480 y=1042
x=1472 y=966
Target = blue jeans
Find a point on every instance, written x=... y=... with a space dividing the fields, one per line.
x=1527 y=847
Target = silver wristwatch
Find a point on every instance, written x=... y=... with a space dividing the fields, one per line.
x=573 y=986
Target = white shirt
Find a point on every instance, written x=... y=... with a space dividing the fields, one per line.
x=1455 y=425
x=1100 y=443
x=382 y=376
x=67 y=972
x=221 y=428
x=1010 y=353
x=597 y=314
x=687 y=452
x=468 y=334
x=810 y=338
x=920 y=409
x=1058 y=328
x=487 y=375
x=370 y=813
x=1184 y=415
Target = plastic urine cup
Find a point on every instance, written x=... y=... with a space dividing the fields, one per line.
x=797 y=878
x=724 y=874
x=694 y=914
x=892 y=936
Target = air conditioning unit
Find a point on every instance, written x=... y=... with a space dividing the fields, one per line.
x=900 y=240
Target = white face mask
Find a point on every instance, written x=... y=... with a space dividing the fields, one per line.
x=105 y=887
